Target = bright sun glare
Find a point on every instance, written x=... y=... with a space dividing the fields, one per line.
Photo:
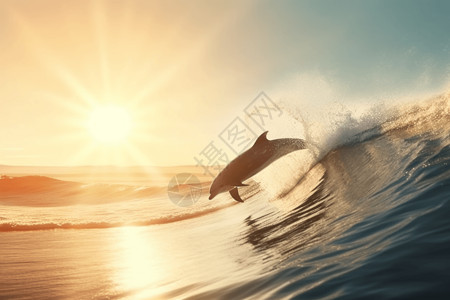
x=110 y=124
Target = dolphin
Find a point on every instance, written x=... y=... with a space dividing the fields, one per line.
x=259 y=156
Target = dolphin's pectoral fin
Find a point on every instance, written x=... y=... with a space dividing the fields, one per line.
x=234 y=193
x=241 y=184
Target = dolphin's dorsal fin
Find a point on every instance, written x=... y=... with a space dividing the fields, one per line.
x=234 y=193
x=261 y=139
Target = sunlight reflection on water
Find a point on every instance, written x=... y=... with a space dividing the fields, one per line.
x=140 y=265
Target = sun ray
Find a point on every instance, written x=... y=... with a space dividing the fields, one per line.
x=189 y=56
x=100 y=25
x=49 y=59
x=82 y=154
x=137 y=156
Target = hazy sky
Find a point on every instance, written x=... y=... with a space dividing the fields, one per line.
x=184 y=69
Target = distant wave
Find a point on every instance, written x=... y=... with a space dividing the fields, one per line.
x=47 y=191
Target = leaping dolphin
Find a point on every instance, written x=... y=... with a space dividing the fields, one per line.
x=260 y=155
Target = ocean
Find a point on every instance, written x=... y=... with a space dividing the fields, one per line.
x=364 y=216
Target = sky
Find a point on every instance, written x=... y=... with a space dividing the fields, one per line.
x=182 y=70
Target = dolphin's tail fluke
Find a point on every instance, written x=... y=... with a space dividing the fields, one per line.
x=235 y=194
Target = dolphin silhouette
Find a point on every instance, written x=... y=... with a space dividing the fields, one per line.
x=259 y=156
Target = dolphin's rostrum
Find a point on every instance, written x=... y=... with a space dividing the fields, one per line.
x=260 y=155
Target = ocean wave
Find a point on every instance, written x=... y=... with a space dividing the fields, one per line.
x=46 y=191
x=166 y=219
x=367 y=220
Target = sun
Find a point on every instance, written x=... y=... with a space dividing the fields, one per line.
x=110 y=124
